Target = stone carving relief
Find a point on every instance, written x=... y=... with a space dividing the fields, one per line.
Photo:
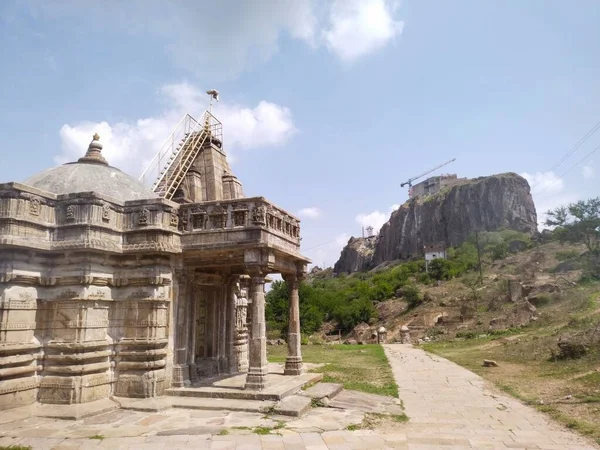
x=218 y=217
x=106 y=213
x=240 y=216
x=259 y=215
x=143 y=217
x=174 y=218
x=70 y=215
x=35 y=206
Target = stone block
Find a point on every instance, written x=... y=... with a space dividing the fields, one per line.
x=294 y=405
x=323 y=390
x=18 y=392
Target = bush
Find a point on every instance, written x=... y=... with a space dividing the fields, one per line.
x=424 y=278
x=466 y=334
x=499 y=251
x=412 y=295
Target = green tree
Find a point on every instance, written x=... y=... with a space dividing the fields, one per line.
x=579 y=223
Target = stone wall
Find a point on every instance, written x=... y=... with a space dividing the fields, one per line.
x=85 y=295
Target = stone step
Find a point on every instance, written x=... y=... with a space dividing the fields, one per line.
x=210 y=404
x=284 y=387
x=323 y=390
x=222 y=404
x=144 y=404
x=294 y=405
x=76 y=411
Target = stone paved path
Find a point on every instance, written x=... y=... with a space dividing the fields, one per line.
x=449 y=408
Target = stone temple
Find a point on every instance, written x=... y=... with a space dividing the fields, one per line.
x=113 y=289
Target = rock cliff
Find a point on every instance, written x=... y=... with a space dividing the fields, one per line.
x=357 y=255
x=451 y=215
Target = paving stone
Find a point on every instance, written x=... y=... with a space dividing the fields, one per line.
x=323 y=390
x=294 y=405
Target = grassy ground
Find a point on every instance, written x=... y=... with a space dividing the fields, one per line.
x=568 y=390
x=358 y=367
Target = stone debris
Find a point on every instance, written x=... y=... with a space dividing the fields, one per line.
x=489 y=363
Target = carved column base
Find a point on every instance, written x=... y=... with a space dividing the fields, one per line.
x=293 y=366
x=181 y=375
x=256 y=380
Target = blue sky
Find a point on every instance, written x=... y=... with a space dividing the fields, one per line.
x=327 y=106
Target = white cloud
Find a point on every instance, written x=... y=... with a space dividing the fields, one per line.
x=548 y=191
x=327 y=254
x=544 y=181
x=131 y=145
x=204 y=36
x=359 y=27
x=311 y=213
x=587 y=172
x=375 y=219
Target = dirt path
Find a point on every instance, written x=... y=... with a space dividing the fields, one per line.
x=451 y=407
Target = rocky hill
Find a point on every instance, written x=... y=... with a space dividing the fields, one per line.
x=451 y=215
x=357 y=255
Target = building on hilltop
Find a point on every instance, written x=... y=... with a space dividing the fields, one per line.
x=434 y=184
x=109 y=288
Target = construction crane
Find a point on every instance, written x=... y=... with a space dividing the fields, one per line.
x=410 y=180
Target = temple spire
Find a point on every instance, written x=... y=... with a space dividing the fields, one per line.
x=94 y=152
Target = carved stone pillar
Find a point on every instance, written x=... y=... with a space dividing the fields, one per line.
x=181 y=369
x=257 y=372
x=293 y=362
x=240 y=345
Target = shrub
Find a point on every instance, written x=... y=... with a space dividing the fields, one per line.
x=499 y=251
x=466 y=334
x=412 y=295
x=423 y=278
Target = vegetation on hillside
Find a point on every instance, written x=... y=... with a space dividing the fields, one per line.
x=580 y=223
x=348 y=300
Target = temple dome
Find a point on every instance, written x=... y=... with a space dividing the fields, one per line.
x=91 y=173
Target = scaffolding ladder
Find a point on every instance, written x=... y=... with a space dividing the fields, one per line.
x=170 y=165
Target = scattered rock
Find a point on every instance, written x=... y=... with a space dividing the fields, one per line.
x=516 y=246
x=489 y=363
x=567 y=266
x=569 y=350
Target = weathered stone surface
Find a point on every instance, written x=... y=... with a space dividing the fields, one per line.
x=323 y=390
x=361 y=401
x=107 y=289
x=450 y=216
x=294 y=405
x=356 y=256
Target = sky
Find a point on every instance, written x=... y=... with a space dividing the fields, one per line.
x=327 y=105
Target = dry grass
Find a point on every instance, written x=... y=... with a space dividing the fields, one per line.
x=358 y=367
x=568 y=390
